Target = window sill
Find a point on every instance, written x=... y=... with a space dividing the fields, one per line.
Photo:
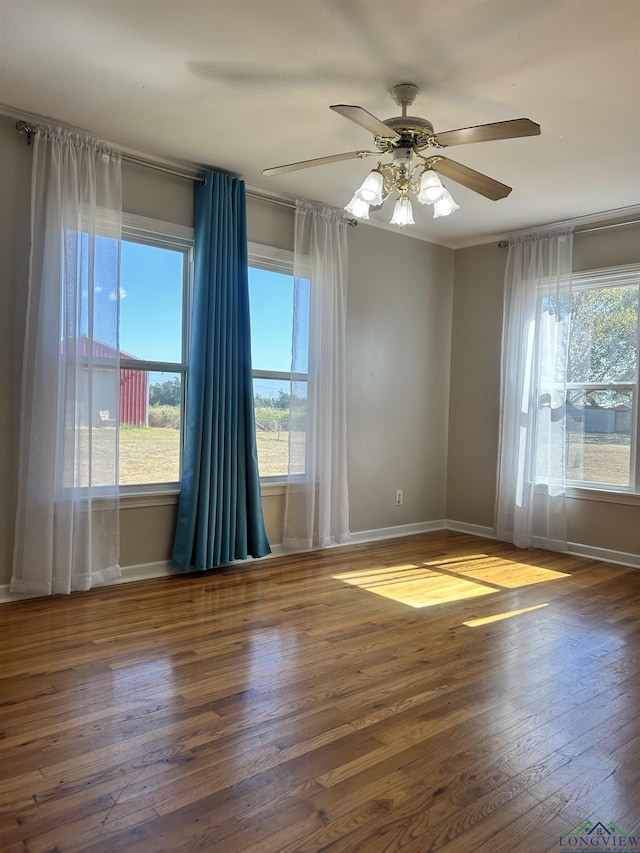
x=170 y=498
x=142 y=499
x=269 y=489
x=603 y=495
x=280 y=487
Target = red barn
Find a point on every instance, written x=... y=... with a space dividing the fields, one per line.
x=134 y=387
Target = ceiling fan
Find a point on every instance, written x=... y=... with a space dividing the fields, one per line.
x=405 y=138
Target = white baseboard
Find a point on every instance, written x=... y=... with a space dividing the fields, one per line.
x=471 y=529
x=361 y=536
x=163 y=568
x=6 y=595
x=605 y=555
x=577 y=549
x=145 y=571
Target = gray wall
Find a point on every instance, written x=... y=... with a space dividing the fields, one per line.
x=475 y=384
x=475 y=387
x=398 y=343
x=15 y=181
x=399 y=333
x=423 y=355
x=398 y=346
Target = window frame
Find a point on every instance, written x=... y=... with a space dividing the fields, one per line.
x=180 y=238
x=627 y=275
x=272 y=259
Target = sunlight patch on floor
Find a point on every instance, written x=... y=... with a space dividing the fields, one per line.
x=495 y=570
x=450 y=579
x=487 y=620
x=414 y=586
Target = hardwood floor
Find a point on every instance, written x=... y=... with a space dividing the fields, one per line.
x=359 y=699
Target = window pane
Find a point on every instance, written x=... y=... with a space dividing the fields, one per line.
x=150 y=417
x=271 y=307
x=278 y=302
x=151 y=302
x=93 y=262
x=604 y=335
x=89 y=429
x=273 y=297
x=298 y=433
x=599 y=436
x=276 y=437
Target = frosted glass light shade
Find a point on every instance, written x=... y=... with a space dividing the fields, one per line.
x=371 y=189
x=358 y=207
x=444 y=205
x=430 y=188
x=403 y=213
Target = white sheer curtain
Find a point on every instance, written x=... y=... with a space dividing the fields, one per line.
x=530 y=509
x=65 y=539
x=317 y=503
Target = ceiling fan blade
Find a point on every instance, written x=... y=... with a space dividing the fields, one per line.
x=365 y=119
x=319 y=161
x=471 y=179
x=489 y=132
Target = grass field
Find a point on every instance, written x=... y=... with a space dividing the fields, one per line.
x=598 y=458
x=273 y=453
x=151 y=455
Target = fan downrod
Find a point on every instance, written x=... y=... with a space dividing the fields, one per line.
x=414 y=132
x=404 y=94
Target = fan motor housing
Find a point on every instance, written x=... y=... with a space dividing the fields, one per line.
x=415 y=132
x=410 y=125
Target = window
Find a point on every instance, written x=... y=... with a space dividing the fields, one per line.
x=154 y=310
x=602 y=428
x=279 y=394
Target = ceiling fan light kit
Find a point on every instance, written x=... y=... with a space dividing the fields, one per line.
x=431 y=188
x=358 y=207
x=372 y=188
x=444 y=205
x=405 y=138
x=402 y=212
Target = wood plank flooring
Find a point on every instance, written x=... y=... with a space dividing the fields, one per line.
x=435 y=693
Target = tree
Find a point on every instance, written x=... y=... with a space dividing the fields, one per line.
x=166 y=393
x=282 y=400
x=604 y=335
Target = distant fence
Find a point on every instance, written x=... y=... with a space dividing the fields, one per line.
x=592 y=420
x=280 y=423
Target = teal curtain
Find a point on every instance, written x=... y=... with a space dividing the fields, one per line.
x=220 y=510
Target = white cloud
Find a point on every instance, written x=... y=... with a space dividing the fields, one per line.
x=123 y=294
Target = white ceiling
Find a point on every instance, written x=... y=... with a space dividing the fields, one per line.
x=246 y=84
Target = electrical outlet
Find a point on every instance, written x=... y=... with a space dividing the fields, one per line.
x=399 y=497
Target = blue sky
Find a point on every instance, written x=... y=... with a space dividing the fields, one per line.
x=151 y=308
x=151 y=302
x=271 y=301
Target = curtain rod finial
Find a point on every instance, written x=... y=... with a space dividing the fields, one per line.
x=25 y=127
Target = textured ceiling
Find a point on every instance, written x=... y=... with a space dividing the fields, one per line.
x=246 y=85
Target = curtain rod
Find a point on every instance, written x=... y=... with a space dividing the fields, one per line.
x=283 y=202
x=503 y=244
x=252 y=193
x=29 y=129
x=149 y=164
